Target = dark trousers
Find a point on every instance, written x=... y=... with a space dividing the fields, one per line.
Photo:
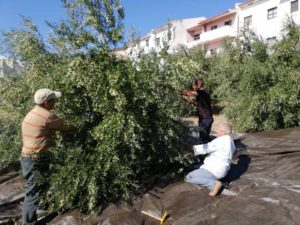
x=204 y=130
x=31 y=192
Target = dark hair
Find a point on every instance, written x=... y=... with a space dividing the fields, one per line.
x=199 y=81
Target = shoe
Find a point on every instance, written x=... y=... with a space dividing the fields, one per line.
x=225 y=185
x=215 y=189
x=229 y=193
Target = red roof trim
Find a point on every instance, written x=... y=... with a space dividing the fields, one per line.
x=228 y=13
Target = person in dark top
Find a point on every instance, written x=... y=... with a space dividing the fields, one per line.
x=200 y=98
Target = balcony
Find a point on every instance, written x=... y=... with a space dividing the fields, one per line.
x=213 y=35
x=219 y=33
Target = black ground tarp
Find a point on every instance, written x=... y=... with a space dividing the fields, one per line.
x=264 y=188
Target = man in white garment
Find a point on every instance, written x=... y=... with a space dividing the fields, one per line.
x=217 y=162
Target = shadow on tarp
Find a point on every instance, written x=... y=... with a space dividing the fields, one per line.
x=237 y=170
x=240 y=167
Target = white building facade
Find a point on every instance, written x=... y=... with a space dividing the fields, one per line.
x=211 y=32
x=9 y=66
x=265 y=17
x=173 y=33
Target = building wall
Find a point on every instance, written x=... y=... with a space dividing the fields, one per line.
x=221 y=22
x=149 y=42
x=9 y=66
x=212 y=39
x=180 y=27
x=261 y=25
x=178 y=36
x=266 y=28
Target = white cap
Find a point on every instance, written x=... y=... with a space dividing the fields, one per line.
x=44 y=95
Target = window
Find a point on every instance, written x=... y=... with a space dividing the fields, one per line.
x=294 y=6
x=196 y=37
x=157 y=41
x=248 y=21
x=228 y=23
x=213 y=27
x=272 y=13
x=147 y=43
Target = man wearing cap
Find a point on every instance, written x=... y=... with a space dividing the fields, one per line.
x=37 y=128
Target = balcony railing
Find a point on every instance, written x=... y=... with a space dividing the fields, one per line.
x=225 y=31
x=219 y=33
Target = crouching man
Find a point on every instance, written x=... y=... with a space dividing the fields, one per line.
x=37 y=128
x=217 y=162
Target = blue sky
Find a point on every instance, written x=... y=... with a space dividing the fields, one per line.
x=143 y=15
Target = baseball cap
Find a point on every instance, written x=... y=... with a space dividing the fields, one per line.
x=44 y=94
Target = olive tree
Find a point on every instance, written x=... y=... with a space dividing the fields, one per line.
x=127 y=115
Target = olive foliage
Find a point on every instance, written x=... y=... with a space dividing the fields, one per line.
x=127 y=115
x=258 y=82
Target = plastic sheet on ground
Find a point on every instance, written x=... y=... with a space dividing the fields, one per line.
x=264 y=188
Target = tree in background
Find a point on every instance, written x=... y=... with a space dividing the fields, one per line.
x=260 y=82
